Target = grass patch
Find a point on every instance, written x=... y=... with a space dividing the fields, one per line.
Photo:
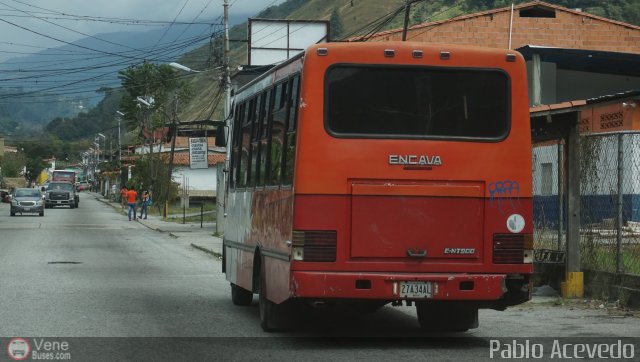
x=192 y=219
x=603 y=257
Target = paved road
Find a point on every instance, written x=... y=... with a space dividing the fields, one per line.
x=89 y=272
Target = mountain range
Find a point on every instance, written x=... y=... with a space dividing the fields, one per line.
x=63 y=81
x=74 y=72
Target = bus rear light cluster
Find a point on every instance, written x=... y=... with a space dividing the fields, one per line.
x=314 y=245
x=512 y=248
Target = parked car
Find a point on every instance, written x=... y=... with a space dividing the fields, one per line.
x=4 y=195
x=25 y=200
x=61 y=193
x=81 y=186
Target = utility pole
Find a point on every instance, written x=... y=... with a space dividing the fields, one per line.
x=119 y=115
x=174 y=135
x=407 y=11
x=227 y=76
x=228 y=122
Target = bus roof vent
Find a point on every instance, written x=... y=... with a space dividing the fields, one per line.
x=511 y=57
x=445 y=55
x=417 y=54
x=389 y=53
x=322 y=52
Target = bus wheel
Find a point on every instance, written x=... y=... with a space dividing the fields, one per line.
x=446 y=316
x=271 y=314
x=240 y=296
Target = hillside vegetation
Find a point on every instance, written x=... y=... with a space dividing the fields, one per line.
x=348 y=18
x=352 y=17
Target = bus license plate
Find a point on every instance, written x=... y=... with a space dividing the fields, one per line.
x=416 y=289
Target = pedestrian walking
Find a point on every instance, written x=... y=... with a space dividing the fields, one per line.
x=132 y=198
x=123 y=197
x=146 y=202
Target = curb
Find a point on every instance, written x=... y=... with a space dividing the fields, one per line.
x=153 y=228
x=208 y=251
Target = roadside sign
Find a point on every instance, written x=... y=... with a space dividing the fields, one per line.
x=198 y=152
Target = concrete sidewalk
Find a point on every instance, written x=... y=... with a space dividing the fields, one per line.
x=201 y=238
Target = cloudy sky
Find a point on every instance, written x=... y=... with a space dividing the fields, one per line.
x=28 y=26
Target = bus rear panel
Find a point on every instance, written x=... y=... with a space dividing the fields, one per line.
x=411 y=181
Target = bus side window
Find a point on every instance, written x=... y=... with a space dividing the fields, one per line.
x=255 y=132
x=235 y=155
x=245 y=158
x=263 y=145
x=278 y=123
x=290 y=138
x=238 y=144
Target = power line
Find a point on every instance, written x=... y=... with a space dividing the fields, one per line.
x=72 y=30
x=132 y=21
x=166 y=30
x=194 y=19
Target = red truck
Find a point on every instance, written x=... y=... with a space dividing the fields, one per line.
x=64 y=175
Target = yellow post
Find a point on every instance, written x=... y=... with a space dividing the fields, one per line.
x=573 y=286
x=166 y=209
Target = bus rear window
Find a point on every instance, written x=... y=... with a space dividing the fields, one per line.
x=416 y=102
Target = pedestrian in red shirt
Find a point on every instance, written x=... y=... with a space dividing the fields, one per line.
x=132 y=198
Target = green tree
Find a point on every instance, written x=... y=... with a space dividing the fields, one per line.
x=12 y=164
x=162 y=90
x=154 y=83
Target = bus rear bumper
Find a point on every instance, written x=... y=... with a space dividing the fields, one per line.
x=470 y=287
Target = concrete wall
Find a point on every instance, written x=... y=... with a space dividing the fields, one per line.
x=198 y=179
x=548 y=82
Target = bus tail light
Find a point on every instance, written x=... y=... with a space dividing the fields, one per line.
x=512 y=248
x=314 y=245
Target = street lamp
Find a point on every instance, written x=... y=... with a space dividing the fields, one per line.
x=104 y=138
x=183 y=67
x=148 y=103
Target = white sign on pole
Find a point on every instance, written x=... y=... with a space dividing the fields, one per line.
x=198 y=152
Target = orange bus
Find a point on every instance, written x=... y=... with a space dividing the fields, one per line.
x=375 y=173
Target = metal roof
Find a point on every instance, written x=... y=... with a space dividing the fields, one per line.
x=592 y=61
